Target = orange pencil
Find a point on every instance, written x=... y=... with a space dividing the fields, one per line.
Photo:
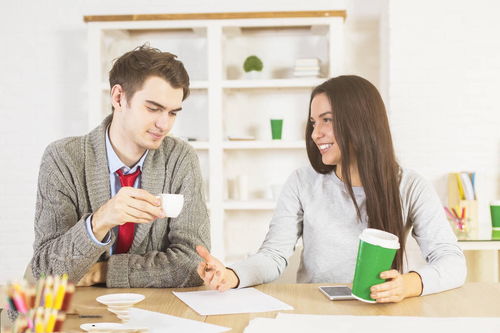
x=30 y=295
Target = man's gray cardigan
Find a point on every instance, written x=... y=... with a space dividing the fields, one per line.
x=74 y=182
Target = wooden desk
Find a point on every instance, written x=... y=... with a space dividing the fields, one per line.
x=471 y=300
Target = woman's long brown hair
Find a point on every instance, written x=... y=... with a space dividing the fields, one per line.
x=362 y=133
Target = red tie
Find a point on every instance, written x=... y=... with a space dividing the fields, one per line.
x=126 y=231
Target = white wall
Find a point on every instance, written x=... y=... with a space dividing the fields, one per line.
x=42 y=98
x=443 y=87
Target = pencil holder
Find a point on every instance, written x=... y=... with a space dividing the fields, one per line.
x=462 y=205
x=469 y=229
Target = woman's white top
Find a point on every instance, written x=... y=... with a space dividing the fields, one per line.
x=318 y=208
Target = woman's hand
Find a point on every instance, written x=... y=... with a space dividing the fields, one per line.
x=213 y=273
x=398 y=287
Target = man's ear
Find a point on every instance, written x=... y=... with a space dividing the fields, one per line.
x=117 y=94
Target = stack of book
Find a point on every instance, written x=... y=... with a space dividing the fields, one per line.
x=306 y=67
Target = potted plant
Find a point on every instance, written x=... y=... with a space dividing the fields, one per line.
x=252 y=66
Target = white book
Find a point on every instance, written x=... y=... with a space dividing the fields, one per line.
x=468 y=188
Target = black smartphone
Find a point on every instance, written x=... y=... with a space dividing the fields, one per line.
x=337 y=293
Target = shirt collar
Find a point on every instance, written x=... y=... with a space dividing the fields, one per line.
x=114 y=161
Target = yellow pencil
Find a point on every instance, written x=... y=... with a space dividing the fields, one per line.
x=49 y=296
x=39 y=324
x=61 y=290
x=52 y=321
x=57 y=282
x=46 y=317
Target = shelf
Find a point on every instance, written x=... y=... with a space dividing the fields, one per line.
x=193 y=85
x=471 y=245
x=273 y=83
x=261 y=204
x=198 y=85
x=216 y=16
x=270 y=144
x=199 y=145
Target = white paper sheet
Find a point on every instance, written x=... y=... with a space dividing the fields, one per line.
x=211 y=302
x=291 y=323
x=160 y=323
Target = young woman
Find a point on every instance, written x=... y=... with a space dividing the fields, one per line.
x=354 y=182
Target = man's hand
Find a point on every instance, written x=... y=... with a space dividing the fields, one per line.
x=213 y=273
x=128 y=205
x=399 y=287
x=96 y=274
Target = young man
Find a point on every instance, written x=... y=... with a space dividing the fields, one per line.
x=97 y=215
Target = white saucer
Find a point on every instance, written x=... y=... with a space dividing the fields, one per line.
x=119 y=307
x=123 y=318
x=119 y=312
x=124 y=299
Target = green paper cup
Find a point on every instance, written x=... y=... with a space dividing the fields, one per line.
x=495 y=234
x=495 y=219
x=276 y=128
x=376 y=253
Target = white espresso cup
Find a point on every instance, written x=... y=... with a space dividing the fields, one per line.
x=171 y=203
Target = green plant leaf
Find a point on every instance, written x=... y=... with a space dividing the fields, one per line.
x=253 y=63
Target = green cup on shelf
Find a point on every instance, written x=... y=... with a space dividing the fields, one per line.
x=276 y=128
x=495 y=219
x=376 y=253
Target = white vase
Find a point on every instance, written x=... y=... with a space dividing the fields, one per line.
x=253 y=75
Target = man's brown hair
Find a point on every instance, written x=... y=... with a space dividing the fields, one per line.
x=134 y=67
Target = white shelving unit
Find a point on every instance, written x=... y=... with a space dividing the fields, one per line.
x=249 y=205
x=276 y=83
x=224 y=103
x=275 y=144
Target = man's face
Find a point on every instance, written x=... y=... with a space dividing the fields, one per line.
x=150 y=114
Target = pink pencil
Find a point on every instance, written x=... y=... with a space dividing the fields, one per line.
x=450 y=215
x=19 y=302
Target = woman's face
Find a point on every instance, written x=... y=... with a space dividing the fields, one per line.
x=322 y=135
